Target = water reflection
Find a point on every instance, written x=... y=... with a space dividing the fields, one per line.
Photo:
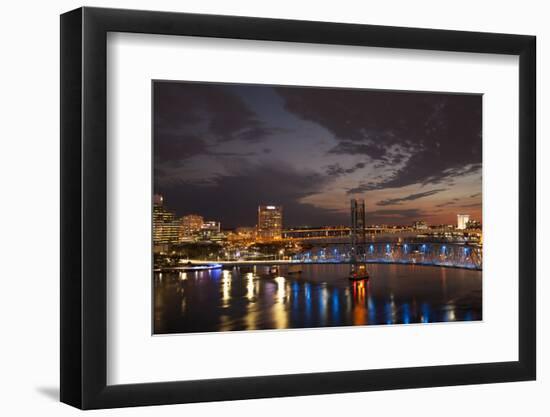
x=226 y=287
x=250 y=286
x=251 y=298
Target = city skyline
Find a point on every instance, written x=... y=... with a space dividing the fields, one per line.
x=220 y=150
x=190 y=223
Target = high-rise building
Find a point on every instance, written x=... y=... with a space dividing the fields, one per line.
x=165 y=227
x=270 y=222
x=190 y=225
x=462 y=221
x=358 y=224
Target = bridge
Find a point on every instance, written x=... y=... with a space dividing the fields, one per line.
x=422 y=253
x=343 y=234
x=455 y=255
x=333 y=232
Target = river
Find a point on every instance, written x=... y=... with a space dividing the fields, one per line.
x=252 y=298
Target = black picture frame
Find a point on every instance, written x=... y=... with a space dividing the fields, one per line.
x=84 y=207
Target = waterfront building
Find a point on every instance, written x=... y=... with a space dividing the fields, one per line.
x=420 y=225
x=165 y=226
x=462 y=221
x=190 y=225
x=270 y=222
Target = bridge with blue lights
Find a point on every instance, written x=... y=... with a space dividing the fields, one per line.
x=456 y=255
x=426 y=253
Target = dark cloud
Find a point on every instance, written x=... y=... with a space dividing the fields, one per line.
x=411 y=197
x=395 y=216
x=455 y=202
x=353 y=148
x=423 y=175
x=472 y=205
x=239 y=154
x=170 y=147
x=337 y=169
x=190 y=117
x=246 y=186
x=436 y=136
x=446 y=204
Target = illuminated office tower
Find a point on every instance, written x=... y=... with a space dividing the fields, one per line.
x=190 y=225
x=270 y=222
x=462 y=221
x=165 y=227
x=357 y=232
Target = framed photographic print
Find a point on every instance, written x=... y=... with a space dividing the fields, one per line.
x=258 y=207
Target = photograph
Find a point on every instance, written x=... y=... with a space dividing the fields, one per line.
x=358 y=198
x=284 y=207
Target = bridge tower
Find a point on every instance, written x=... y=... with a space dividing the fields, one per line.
x=357 y=232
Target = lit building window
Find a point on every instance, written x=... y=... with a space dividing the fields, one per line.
x=270 y=222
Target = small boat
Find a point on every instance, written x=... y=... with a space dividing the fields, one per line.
x=189 y=266
x=358 y=272
x=294 y=269
x=274 y=270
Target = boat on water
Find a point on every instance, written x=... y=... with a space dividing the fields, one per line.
x=358 y=272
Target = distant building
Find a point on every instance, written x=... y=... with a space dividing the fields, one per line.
x=420 y=225
x=211 y=226
x=462 y=221
x=270 y=222
x=473 y=224
x=246 y=232
x=190 y=225
x=211 y=230
x=358 y=225
x=165 y=227
x=157 y=200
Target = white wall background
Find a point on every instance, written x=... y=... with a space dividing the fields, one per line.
x=29 y=177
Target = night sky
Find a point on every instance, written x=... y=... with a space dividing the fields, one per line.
x=220 y=150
